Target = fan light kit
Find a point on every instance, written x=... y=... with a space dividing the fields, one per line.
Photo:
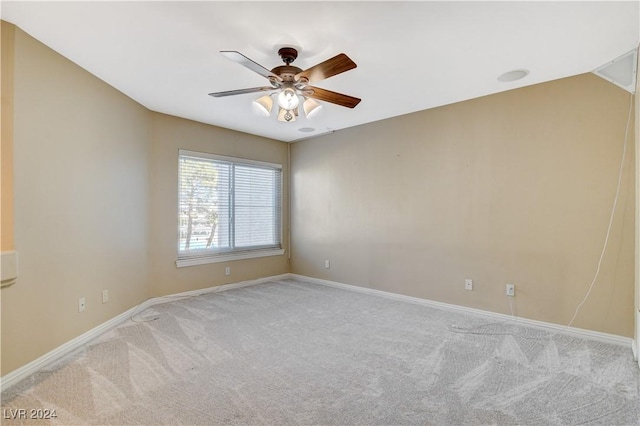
x=289 y=84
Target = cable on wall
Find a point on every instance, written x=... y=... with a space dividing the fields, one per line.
x=613 y=211
x=473 y=330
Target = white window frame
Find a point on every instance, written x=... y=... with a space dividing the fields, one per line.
x=232 y=254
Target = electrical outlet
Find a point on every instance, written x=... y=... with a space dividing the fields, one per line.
x=327 y=264
x=81 y=304
x=227 y=270
x=105 y=296
x=511 y=290
x=468 y=284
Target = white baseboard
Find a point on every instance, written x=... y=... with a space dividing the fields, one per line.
x=636 y=342
x=578 y=332
x=58 y=353
x=49 y=358
x=224 y=287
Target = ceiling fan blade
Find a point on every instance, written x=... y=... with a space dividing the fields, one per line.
x=329 y=96
x=253 y=66
x=336 y=65
x=241 y=91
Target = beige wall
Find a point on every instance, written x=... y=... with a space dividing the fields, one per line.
x=511 y=188
x=96 y=203
x=6 y=148
x=169 y=134
x=81 y=181
x=637 y=215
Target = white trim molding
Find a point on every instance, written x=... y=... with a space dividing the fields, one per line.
x=8 y=268
x=49 y=358
x=636 y=342
x=226 y=257
x=578 y=332
x=72 y=345
x=193 y=293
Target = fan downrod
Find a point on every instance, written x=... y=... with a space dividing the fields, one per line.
x=288 y=54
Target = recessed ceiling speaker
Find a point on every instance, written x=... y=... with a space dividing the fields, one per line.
x=621 y=71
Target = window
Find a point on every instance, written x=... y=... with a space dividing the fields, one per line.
x=229 y=208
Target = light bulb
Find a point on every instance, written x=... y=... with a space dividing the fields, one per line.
x=287 y=99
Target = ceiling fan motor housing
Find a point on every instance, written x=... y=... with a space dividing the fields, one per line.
x=288 y=54
x=287 y=72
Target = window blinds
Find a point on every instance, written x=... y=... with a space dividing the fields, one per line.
x=227 y=205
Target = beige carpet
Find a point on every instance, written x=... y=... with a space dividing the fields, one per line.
x=290 y=352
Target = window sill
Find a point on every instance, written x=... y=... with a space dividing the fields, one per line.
x=181 y=263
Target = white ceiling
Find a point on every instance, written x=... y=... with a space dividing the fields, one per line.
x=411 y=56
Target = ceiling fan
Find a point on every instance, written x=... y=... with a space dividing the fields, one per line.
x=289 y=82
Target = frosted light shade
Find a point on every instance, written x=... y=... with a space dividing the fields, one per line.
x=263 y=105
x=311 y=107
